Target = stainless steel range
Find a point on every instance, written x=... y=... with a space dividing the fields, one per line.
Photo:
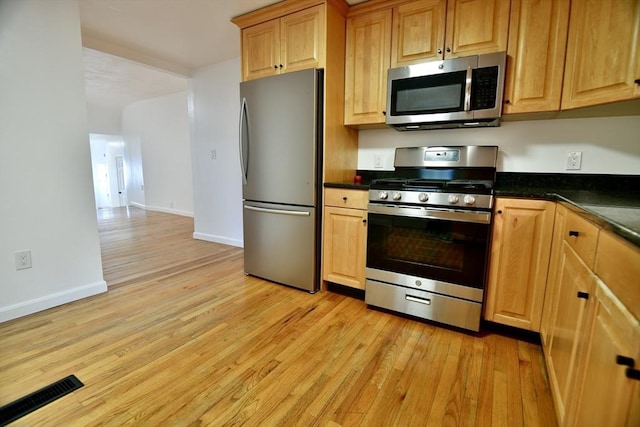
x=429 y=231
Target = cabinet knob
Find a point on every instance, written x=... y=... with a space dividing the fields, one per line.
x=364 y=221
x=624 y=360
x=574 y=233
x=507 y=101
x=344 y=198
x=280 y=65
x=500 y=212
x=275 y=67
x=637 y=81
x=384 y=113
x=583 y=295
x=439 y=51
x=448 y=49
x=633 y=374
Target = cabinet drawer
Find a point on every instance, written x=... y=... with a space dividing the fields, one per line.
x=582 y=236
x=345 y=198
x=618 y=265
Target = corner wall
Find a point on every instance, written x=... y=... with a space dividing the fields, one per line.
x=46 y=192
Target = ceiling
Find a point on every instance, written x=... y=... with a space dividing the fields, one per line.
x=141 y=49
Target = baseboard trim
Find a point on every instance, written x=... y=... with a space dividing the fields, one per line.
x=218 y=239
x=49 y=301
x=169 y=211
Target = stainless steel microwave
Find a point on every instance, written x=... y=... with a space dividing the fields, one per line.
x=459 y=92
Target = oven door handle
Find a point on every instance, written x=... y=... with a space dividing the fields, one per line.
x=424 y=301
x=420 y=212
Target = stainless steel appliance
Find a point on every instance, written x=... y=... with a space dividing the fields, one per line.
x=428 y=234
x=281 y=162
x=459 y=92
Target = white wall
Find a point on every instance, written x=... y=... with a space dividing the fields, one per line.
x=157 y=135
x=215 y=105
x=609 y=145
x=104 y=120
x=46 y=194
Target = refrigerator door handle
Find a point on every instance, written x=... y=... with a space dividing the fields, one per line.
x=244 y=117
x=277 y=211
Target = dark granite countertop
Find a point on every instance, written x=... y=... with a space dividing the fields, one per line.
x=611 y=201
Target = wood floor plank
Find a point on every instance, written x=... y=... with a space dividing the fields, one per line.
x=184 y=338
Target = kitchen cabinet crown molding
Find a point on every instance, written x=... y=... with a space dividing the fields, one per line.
x=283 y=8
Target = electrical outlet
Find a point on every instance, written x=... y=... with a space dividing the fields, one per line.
x=377 y=160
x=23 y=260
x=574 y=160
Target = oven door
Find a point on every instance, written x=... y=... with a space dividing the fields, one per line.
x=433 y=244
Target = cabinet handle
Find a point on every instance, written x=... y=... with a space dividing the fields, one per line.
x=583 y=295
x=633 y=374
x=624 y=360
x=574 y=233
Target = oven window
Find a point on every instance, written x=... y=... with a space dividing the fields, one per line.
x=448 y=251
x=441 y=93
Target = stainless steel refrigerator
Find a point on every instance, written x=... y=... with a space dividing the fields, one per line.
x=281 y=162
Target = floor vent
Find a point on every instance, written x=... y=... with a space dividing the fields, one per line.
x=38 y=399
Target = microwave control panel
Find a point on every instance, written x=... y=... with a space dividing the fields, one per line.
x=484 y=88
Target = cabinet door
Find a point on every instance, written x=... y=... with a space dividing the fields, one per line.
x=302 y=39
x=367 y=61
x=261 y=50
x=520 y=252
x=606 y=396
x=418 y=32
x=602 y=53
x=537 y=41
x=345 y=240
x=565 y=352
x=551 y=290
x=476 y=27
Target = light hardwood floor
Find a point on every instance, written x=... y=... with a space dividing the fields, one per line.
x=183 y=337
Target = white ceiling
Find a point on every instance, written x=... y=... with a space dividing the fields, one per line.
x=141 y=49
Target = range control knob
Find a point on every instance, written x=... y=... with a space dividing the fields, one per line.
x=397 y=196
x=469 y=200
x=383 y=195
x=423 y=197
x=453 y=199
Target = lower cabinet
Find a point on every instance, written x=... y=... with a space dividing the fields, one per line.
x=345 y=237
x=520 y=250
x=590 y=329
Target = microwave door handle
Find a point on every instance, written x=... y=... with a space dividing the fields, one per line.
x=467 y=90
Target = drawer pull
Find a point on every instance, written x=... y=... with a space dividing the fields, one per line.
x=364 y=221
x=344 y=198
x=574 y=233
x=583 y=295
x=424 y=301
x=626 y=361
x=633 y=374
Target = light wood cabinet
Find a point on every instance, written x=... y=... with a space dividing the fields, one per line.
x=605 y=395
x=384 y=34
x=603 y=62
x=418 y=32
x=590 y=317
x=535 y=65
x=520 y=253
x=345 y=237
x=367 y=61
x=293 y=42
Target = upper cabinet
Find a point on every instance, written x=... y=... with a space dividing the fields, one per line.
x=603 y=63
x=293 y=42
x=537 y=41
x=390 y=33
